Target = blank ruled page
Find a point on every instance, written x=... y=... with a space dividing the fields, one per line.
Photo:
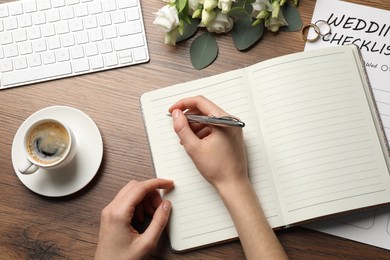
x=323 y=144
x=199 y=216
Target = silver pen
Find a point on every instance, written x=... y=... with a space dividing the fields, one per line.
x=214 y=120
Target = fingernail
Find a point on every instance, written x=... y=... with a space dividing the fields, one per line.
x=167 y=205
x=175 y=114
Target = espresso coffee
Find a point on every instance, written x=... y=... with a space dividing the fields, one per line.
x=47 y=142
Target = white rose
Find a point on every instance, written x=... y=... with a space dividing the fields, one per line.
x=210 y=4
x=167 y=18
x=225 y=5
x=221 y=24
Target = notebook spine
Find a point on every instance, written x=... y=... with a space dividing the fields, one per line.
x=373 y=102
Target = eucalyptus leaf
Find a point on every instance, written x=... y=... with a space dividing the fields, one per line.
x=248 y=8
x=237 y=11
x=203 y=50
x=245 y=35
x=189 y=30
x=292 y=17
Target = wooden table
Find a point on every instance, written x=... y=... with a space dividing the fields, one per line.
x=38 y=227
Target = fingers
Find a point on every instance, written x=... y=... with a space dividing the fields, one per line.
x=183 y=130
x=158 y=223
x=134 y=192
x=205 y=106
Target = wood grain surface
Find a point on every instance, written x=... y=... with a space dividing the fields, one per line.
x=37 y=227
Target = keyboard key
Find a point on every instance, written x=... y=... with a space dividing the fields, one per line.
x=77 y=52
x=96 y=35
x=24 y=21
x=96 y=62
x=109 y=5
x=140 y=54
x=90 y=22
x=37 y=73
x=81 y=11
x=48 y=30
x=53 y=15
x=53 y=43
x=44 y=4
x=129 y=28
x=34 y=60
x=6 y=65
x=39 y=18
x=20 y=35
x=128 y=42
x=80 y=65
x=39 y=45
x=20 y=63
x=30 y=6
x=111 y=59
x=6 y=38
x=58 y=3
x=82 y=37
x=11 y=50
x=4 y=11
x=76 y=25
x=67 y=13
x=91 y=49
x=95 y=7
x=105 y=47
x=15 y=8
x=125 y=57
x=34 y=33
x=25 y=48
x=63 y=55
x=10 y=23
x=48 y=57
x=67 y=40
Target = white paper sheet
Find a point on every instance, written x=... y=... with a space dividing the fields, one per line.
x=369 y=28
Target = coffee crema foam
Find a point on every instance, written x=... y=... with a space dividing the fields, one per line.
x=47 y=142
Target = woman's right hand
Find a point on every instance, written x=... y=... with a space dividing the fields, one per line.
x=218 y=152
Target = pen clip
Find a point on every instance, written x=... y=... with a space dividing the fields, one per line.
x=228 y=121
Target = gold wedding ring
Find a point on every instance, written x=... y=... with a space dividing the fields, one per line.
x=317 y=29
x=305 y=32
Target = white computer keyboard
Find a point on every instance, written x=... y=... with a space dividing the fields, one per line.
x=49 y=39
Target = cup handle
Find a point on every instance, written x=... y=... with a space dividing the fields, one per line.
x=27 y=167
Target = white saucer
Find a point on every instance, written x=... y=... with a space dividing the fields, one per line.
x=84 y=166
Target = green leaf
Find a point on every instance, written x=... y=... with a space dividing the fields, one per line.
x=292 y=17
x=189 y=29
x=236 y=11
x=180 y=5
x=203 y=50
x=248 y=8
x=245 y=35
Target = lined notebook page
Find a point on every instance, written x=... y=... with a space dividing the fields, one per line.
x=199 y=216
x=319 y=133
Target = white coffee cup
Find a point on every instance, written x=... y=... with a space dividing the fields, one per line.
x=48 y=144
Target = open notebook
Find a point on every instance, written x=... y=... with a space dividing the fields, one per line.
x=314 y=141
